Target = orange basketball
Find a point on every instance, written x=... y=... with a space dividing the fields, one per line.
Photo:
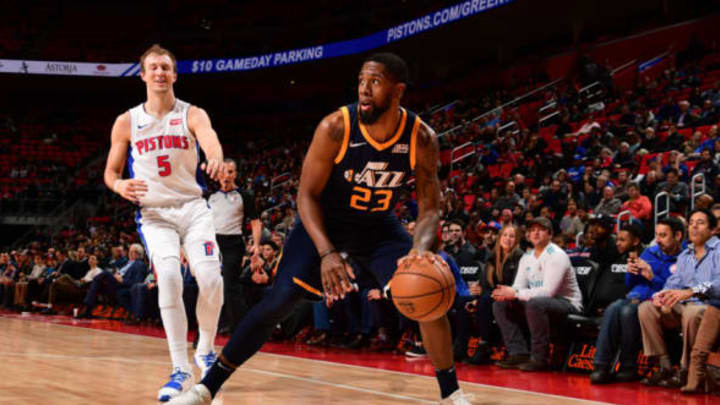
x=423 y=289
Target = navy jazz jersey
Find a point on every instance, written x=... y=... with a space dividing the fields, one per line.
x=366 y=180
x=357 y=203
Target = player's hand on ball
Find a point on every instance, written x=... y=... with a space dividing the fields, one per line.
x=423 y=286
x=336 y=274
x=415 y=255
x=131 y=189
x=214 y=168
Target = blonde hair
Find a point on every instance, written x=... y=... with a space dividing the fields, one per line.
x=500 y=257
x=157 y=49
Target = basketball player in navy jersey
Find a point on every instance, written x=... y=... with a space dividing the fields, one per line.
x=359 y=158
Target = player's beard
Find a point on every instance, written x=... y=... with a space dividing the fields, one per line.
x=370 y=117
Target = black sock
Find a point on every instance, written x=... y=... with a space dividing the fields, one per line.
x=216 y=376
x=447 y=379
x=253 y=330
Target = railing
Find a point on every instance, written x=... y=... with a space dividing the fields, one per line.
x=453 y=129
x=694 y=193
x=623 y=66
x=509 y=103
x=274 y=181
x=508 y=125
x=643 y=66
x=656 y=208
x=435 y=109
x=453 y=159
x=547 y=107
x=547 y=117
x=531 y=92
x=620 y=217
x=430 y=109
x=585 y=91
x=268 y=210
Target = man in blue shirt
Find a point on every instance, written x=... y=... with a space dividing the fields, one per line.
x=117 y=284
x=682 y=301
x=119 y=259
x=645 y=275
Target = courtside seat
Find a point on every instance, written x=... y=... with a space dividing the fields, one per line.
x=584 y=326
x=586 y=272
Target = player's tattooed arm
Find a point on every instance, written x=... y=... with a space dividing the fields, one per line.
x=318 y=165
x=316 y=170
x=427 y=186
x=336 y=130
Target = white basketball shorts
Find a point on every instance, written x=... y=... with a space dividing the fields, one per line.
x=190 y=225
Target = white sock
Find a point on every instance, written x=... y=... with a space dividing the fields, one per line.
x=209 y=304
x=206 y=340
x=175 y=323
x=172 y=309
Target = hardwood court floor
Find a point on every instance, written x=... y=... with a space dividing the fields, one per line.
x=51 y=363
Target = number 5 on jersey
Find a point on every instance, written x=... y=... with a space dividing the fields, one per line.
x=362 y=198
x=164 y=168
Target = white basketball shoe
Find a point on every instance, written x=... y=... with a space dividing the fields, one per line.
x=204 y=361
x=458 y=398
x=197 y=395
x=180 y=381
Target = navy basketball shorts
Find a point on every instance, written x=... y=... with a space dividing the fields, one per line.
x=372 y=251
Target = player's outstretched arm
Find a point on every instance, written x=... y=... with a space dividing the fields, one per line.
x=316 y=170
x=130 y=189
x=199 y=124
x=427 y=186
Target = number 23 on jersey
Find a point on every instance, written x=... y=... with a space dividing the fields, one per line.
x=365 y=199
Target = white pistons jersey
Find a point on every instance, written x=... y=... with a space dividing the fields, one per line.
x=165 y=154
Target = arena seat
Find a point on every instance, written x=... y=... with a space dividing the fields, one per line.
x=586 y=273
x=685 y=132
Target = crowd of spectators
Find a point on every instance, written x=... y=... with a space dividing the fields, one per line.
x=552 y=190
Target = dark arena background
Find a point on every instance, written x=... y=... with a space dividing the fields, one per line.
x=600 y=116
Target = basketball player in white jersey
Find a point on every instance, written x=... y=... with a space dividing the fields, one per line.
x=159 y=139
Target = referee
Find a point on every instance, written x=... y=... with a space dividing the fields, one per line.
x=230 y=207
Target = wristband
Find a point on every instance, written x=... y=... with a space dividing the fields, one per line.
x=327 y=252
x=386 y=291
x=115 y=183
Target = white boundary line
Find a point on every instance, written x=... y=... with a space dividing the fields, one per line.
x=347 y=387
x=344 y=365
x=433 y=378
